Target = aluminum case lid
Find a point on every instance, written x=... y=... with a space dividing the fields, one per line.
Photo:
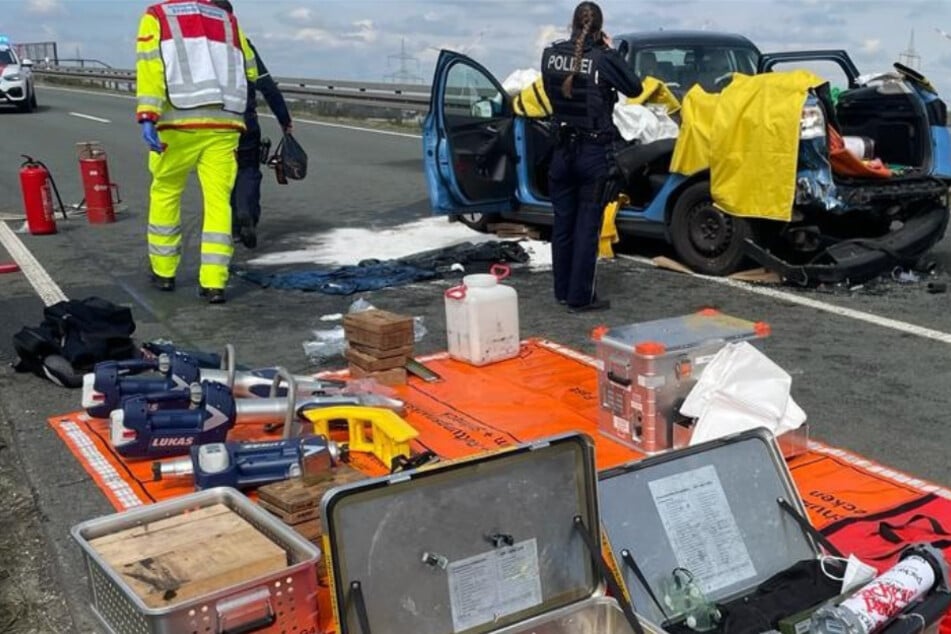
x=712 y=509
x=687 y=331
x=469 y=547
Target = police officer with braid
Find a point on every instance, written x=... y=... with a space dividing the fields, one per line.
x=582 y=77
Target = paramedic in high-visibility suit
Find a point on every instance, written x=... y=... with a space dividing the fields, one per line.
x=193 y=65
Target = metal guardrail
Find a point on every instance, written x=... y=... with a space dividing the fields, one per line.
x=408 y=97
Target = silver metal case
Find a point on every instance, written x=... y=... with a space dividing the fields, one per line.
x=472 y=547
x=647 y=369
x=288 y=598
x=712 y=509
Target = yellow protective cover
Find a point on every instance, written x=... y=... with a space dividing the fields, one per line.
x=656 y=91
x=748 y=136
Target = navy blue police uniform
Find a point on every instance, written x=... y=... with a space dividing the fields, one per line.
x=578 y=174
x=246 y=195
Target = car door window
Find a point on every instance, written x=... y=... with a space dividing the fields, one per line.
x=6 y=57
x=470 y=95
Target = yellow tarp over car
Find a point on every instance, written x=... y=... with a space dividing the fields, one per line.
x=748 y=136
x=656 y=91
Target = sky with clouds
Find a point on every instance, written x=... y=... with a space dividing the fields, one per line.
x=362 y=39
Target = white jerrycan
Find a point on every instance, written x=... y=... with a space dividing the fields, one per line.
x=482 y=318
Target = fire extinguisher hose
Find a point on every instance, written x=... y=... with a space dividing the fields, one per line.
x=31 y=161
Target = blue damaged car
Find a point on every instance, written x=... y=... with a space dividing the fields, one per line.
x=842 y=229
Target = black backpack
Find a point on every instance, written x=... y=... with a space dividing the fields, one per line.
x=74 y=336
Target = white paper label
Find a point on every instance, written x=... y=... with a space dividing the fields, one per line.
x=494 y=584
x=622 y=426
x=701 y=528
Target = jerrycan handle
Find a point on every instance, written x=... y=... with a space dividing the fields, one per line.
x=457 y=292
x=500 y=271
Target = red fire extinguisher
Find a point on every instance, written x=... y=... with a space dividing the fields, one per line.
x=94 y=171
x=35 y=181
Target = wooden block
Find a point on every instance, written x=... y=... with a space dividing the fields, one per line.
x=309 y=530
x=291 y=518
x=378 y=329
x=396 y=376
x=379 y=353
x=373 y=364
x=183 y=557
x=295 y=496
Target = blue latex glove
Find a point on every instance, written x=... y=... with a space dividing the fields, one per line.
x=151 y=138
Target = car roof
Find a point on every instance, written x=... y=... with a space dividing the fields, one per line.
x=686 y=38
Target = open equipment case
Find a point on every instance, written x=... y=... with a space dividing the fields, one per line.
x=727 y=513
x=505 y=543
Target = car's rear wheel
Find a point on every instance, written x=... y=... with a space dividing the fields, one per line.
x=706 y=239
x=479 y=222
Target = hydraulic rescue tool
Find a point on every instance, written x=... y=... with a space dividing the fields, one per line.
x=110 y=382
x=170 y=423
x=243 y=465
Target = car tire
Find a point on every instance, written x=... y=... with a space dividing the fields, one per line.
x=706 y=239
x=33 y=105
x=478 y=222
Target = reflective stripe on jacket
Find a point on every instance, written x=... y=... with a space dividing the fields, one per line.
x=193 y=66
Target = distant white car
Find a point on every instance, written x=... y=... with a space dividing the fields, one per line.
x=16 y=79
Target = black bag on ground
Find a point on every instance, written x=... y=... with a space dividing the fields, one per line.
x=289 y=160
x=74 y=336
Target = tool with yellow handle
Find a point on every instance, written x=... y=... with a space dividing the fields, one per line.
x=371 y=429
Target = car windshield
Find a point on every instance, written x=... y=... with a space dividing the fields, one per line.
x=6 y=57
x=684 y=66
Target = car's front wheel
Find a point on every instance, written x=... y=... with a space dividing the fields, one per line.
x=28 y=104
x=706 y=239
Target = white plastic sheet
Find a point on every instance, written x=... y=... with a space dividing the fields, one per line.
x=644 y=124
x=741 y=389
x=519 y=80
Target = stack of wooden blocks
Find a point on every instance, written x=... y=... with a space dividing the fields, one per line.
x=378 y=345
x=297 y=503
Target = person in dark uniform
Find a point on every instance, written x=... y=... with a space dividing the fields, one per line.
x=246 y=195
x=582 y=78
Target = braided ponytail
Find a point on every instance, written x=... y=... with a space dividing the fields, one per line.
x=587 y=19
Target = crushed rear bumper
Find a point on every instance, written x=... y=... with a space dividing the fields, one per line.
x=863 y=258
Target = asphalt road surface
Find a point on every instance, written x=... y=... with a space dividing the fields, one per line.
x=869 y=381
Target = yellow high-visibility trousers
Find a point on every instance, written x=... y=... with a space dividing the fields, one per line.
x=212 y=154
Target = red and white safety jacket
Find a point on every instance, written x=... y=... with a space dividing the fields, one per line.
x=192 y=66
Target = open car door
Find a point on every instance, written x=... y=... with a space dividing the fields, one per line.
x=468 y=140
x=769 y=61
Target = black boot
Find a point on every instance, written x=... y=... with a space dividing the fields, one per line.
x=213 y=295
x=166 y=284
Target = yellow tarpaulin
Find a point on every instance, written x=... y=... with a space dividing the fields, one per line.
x=656 y=91
x=748 y=137
x=692 y=151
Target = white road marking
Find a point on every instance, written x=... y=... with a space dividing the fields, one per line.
x=90 y=117
x=45 y=287
x=841 y=311
x=307 y=121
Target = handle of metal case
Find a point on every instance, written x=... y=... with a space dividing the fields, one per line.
x=255 y=605
x=288 y=378
x=228 y=363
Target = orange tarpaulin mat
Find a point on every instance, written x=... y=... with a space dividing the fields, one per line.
x=548 y=389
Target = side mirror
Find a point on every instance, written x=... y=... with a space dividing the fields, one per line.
x=27 y=63
x=624 y=48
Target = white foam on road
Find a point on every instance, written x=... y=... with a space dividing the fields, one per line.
x=352 y=245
